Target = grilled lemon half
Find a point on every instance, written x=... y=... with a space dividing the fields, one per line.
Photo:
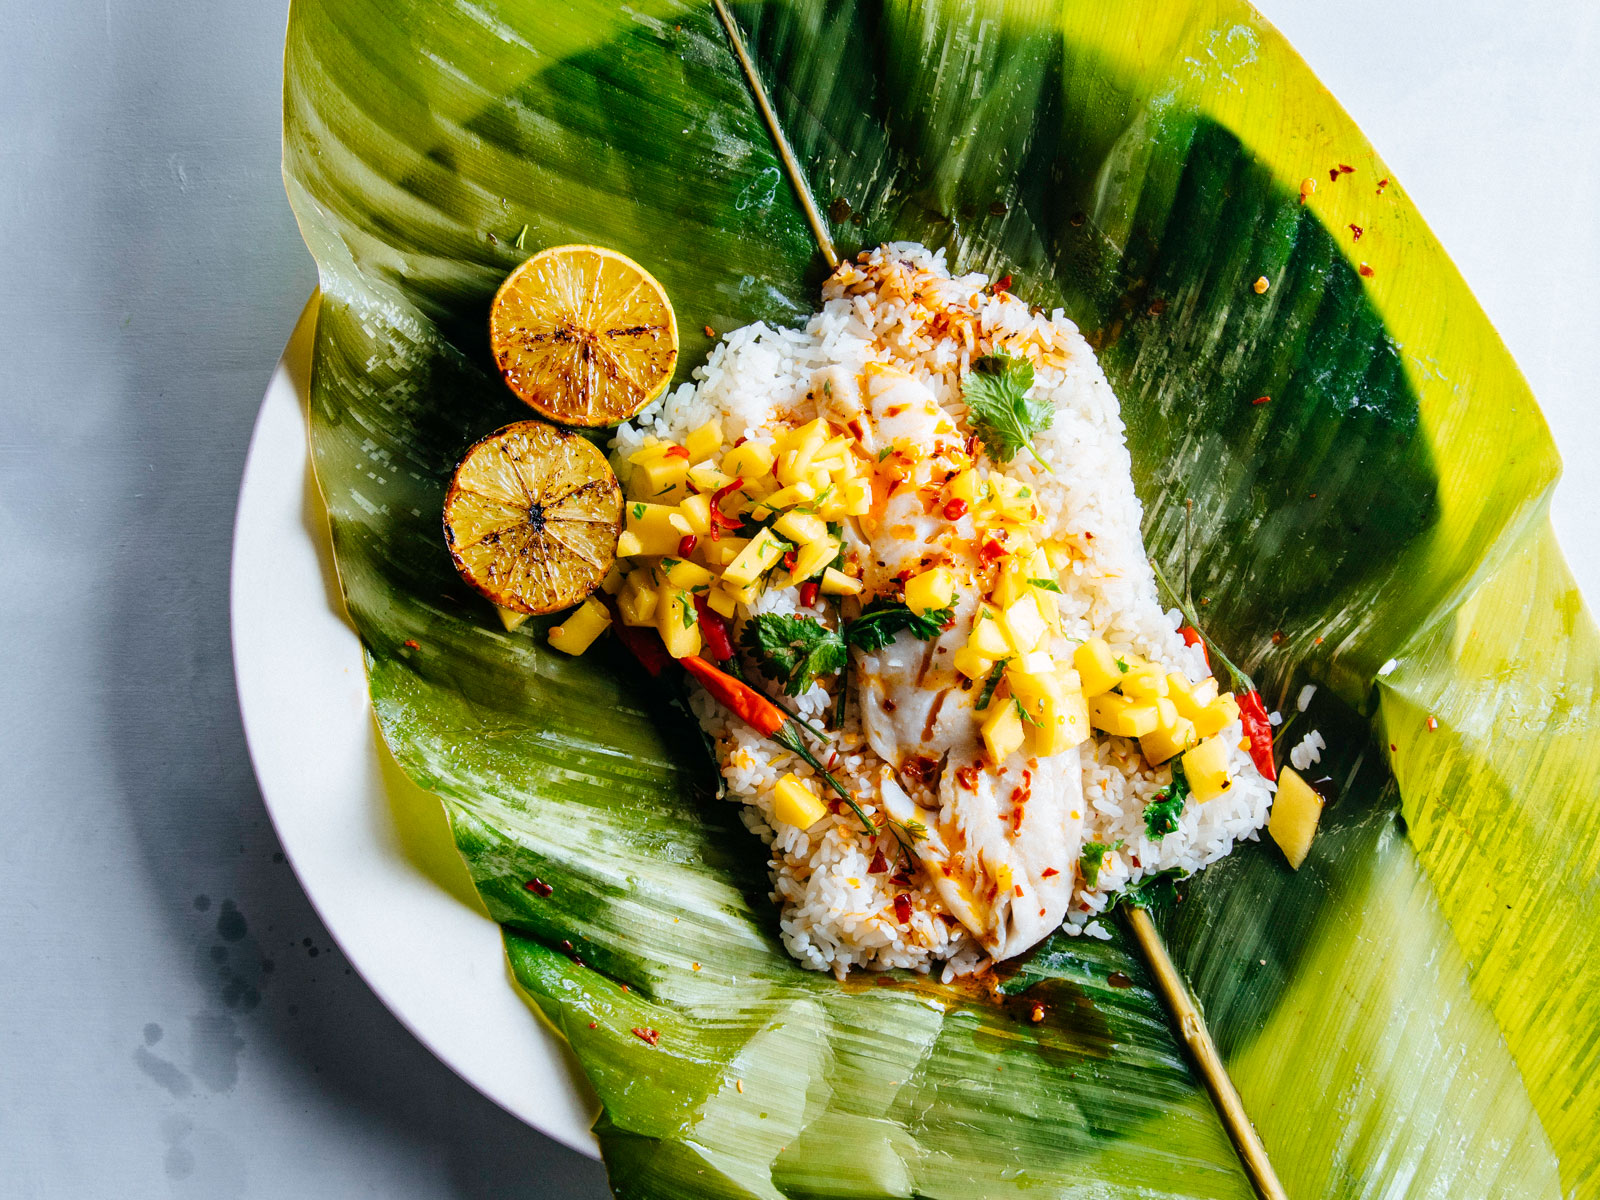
x=584 y=335
x=532 y=517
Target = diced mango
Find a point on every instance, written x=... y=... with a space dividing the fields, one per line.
x=1217 y=715
x=1120 y=716
x=785 y=497
x=629 y=545
x=1009 y=587
x=1097 y=667
x=800 y=528
x=813 y=558
x=1143 y=680
x=703 y=442
x=1166 y=712
x=988 y=638
x=1002 y=732
x=972 y=662
x=1064 y=723
x=1024 y=625
x=652 y=525
x=761 y=554
x=795 y=804
x=1206 y=768
x=709 y=479
x=963 y=487
x=722 y=602
x=637 y=600
x=722 y=552
x=1168 y=741
x=511 y=619
x=837 y=583
x=1191 y=697
x=685 y=574
x=935 y=588
x=611 y=584
x=753 y=460
x=696 y=510
x=581 y=627
x=1295 y=812
x=676 y=621
x=856 y=497
x=652 y=479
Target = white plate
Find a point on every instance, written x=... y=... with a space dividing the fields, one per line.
x=371 y=850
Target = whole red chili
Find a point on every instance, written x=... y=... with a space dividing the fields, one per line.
x=808 y=593
x=765 y=716
x=713 y=631
x=1253 y=716
x=686 y=545
x=1191 y=637
x=641 y=642
x=955 y=509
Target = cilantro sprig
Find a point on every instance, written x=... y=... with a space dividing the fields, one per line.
x=1161 y=814
x=794 y=650
x=996 y=393
x=884 y=619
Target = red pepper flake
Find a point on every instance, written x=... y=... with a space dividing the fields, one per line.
x=710 y=332
x=1260 y=400
x=900 y=880
x=1382 y=183
x=1433 y=723
x=902 y=908
x=1346 y=170
x=1366 y=270
x=1333 y=174
x=991 y=551
x=1393 y=748
x=538 y=887
x=1048 y=873
x=1016 y=888
x=686 y=545
x=1003 y=284
x=1356 y=231
x=967 y=777
x=1157 y=307
x=955 y=509
x=409 y=644
x=879 y=863
x=1036 y=1013
x=594 y=1024
x=648 y=1036
x=571 y=952
x=1277 y=637
x=676 y=452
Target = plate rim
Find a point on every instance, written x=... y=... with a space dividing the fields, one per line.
x=523 y=1064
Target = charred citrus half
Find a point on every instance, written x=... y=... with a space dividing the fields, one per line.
x=584 y=335
x=532 y=517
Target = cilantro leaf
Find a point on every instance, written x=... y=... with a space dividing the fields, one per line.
x=996 y=392
x=1161 y=814
x=1048 y=585
x=794 y=650
x=1153 y=891
x=883 y=619
x=1090 y=859
x=992 y=682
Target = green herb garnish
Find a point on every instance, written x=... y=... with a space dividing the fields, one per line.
x=638 y=512
x=1154 y=891
x=794 y=650
x=1049 y=585
x=996 y=392
x=877 y=626
x=992 y=681
x=885 y=452
x=1161 y=814
x=1090 y=859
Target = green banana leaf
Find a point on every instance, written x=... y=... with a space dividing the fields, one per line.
x=1416 y=1011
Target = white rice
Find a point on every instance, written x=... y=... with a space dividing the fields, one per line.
x=1307 y=750
x=835 y=913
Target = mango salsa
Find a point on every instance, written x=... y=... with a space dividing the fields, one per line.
x=581 y=627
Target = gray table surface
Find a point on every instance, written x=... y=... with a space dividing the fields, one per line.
x=173 y=1018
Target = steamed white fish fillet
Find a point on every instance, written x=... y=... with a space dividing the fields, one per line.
x=1002 y=839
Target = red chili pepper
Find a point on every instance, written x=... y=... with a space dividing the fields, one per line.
x=1253 y=716
x=686 y=545
x=808 y=593
x=713 y=631
x=878 y=865
x=789 y=560
x=902 y=908
x=640 y=641
x=718 y=517
x=1191 y=637
x=991 y=551
x=741 y=698
x=955 y=509
x=1003 y=284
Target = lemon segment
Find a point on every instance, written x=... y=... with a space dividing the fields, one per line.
x=532 y=517
x=584 y=335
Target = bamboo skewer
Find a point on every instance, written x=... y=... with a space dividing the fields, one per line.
x=1173 y=991
x=1194 y=1034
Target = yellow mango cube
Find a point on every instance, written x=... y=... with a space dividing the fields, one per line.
x=1097 y=667
x=1216 y=716
x=1065 y=723
x=653 y=526
x=836 y=583
x=1120 y=716
x=812 y=558
x=723 y=551
x=1206 y=768
x=1295 y=812
x=637 y=600
x=1143 y=680
x=629 y=545
x=795 y=804
x=696 y=511
x=1191 y=697
x=1024 y=625
x=578 y=631
x=511 y=619
x=971 y=662
x=761 y=554
x=709 y=479
x=800 y=528
x=935 y=588
x=856 y=497
x=653 y=479
x=987 y=637
x=1168 y=741
x=963 y=487
x=682 y=573
x=676 y=621
x=1002 y=732
x=704 y=441
x=614 y=578
x=751 y=461
x=722 y=602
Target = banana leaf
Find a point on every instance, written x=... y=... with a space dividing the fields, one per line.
x=1416 y=1011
